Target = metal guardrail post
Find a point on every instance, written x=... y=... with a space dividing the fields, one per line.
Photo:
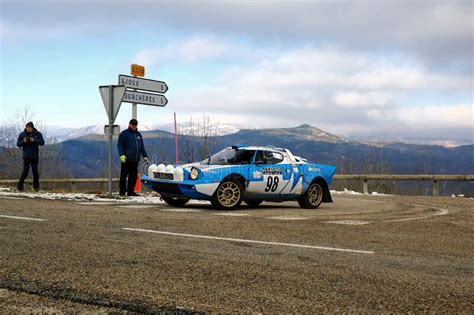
x=365 y=186
x=435 y=188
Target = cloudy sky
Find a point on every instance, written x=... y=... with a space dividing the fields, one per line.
x=380 y=68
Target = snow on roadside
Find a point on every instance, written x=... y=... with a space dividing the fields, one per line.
x=143 y=199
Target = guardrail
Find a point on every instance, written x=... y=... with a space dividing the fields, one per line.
x=435 y=179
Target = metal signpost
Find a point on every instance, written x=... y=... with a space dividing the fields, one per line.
x=112 y=96
x=129 y=90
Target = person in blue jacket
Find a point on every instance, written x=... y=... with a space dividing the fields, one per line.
x=130 y=148
x=30 y=140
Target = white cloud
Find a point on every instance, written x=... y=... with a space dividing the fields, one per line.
x=199 y=48
x=360 y=99
x=343 y=91
x=437 y=116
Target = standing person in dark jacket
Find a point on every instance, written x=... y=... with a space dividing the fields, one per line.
x=130 y=147
x=30 y=140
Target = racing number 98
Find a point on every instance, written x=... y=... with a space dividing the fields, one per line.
x=272 y=184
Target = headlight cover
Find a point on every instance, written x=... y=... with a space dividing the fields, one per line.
x=194 y=173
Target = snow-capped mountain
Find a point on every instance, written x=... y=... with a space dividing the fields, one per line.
x=60 y=134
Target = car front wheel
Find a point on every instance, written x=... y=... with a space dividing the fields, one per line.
x=228 y=195
x=313 y=197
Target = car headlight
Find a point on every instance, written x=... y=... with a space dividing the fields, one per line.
x=194 y=173
x=151 y=169
x=178 y=174
x=160 y=168
x=169 y=169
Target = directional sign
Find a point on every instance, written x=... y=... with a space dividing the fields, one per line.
x=145 y=98
x=115 y=130
x=137 y=70
x=142 y=84
x=117 y=95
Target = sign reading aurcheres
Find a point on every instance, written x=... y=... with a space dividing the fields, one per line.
x=145 y=98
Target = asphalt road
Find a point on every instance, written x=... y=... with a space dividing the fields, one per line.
x=357 y=254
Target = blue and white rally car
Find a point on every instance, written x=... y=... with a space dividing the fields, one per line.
x=251 y=174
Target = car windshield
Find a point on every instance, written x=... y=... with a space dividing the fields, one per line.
x=231 y=156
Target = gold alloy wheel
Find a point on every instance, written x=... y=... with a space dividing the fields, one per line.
x=228 y=194
x=315 y=194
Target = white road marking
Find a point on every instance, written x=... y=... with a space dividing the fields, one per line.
x=348 y=222
x=21 y=218
x=440 y=211
x=230 y=214
x=252 y=241
x=287 y=218
x=92 y=203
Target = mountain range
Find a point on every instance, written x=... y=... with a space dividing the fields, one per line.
x=60 y=134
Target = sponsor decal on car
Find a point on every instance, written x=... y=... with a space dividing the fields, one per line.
x=271 y=171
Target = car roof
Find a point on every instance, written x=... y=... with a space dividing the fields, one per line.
x=253 y=147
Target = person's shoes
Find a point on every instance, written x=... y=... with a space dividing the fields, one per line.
x=133 y=194
x=20 y=189
x=37 y=189
x=122 y=194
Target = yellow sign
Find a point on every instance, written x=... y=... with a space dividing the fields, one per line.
x=137 y=70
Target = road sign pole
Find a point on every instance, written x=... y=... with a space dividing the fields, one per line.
x=110 y=135
x=134 y=110
x=134 y=107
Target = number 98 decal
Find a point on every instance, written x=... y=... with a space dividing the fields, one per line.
x=272 y=183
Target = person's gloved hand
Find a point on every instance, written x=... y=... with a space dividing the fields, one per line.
x=32 y=139
x=123 y=158
x=25 y=139
x=145 y=159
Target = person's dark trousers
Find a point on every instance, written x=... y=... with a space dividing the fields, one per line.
x=130 y=169
x=26 y=168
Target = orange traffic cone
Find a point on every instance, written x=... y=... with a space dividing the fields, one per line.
x=138 y=185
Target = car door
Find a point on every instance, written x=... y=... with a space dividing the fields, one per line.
x=269 y=174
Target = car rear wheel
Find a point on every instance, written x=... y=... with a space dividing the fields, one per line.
x=313 y=197
x=253 y=203
x=176 y=202
x=228 y=195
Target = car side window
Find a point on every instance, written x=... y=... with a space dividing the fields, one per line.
x=268 y=157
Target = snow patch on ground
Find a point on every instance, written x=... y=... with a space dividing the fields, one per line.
x=147 y=198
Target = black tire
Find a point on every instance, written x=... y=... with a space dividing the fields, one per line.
x=313 y=196
x=228 y=195
x=253 y=203
x=176 y=202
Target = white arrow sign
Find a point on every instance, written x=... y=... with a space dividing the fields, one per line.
x=142 y=84
x=145 y=98
x=117 y=95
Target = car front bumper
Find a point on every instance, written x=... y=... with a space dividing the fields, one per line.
x=170 y=188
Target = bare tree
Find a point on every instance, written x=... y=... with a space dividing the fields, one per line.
x=199 y=139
